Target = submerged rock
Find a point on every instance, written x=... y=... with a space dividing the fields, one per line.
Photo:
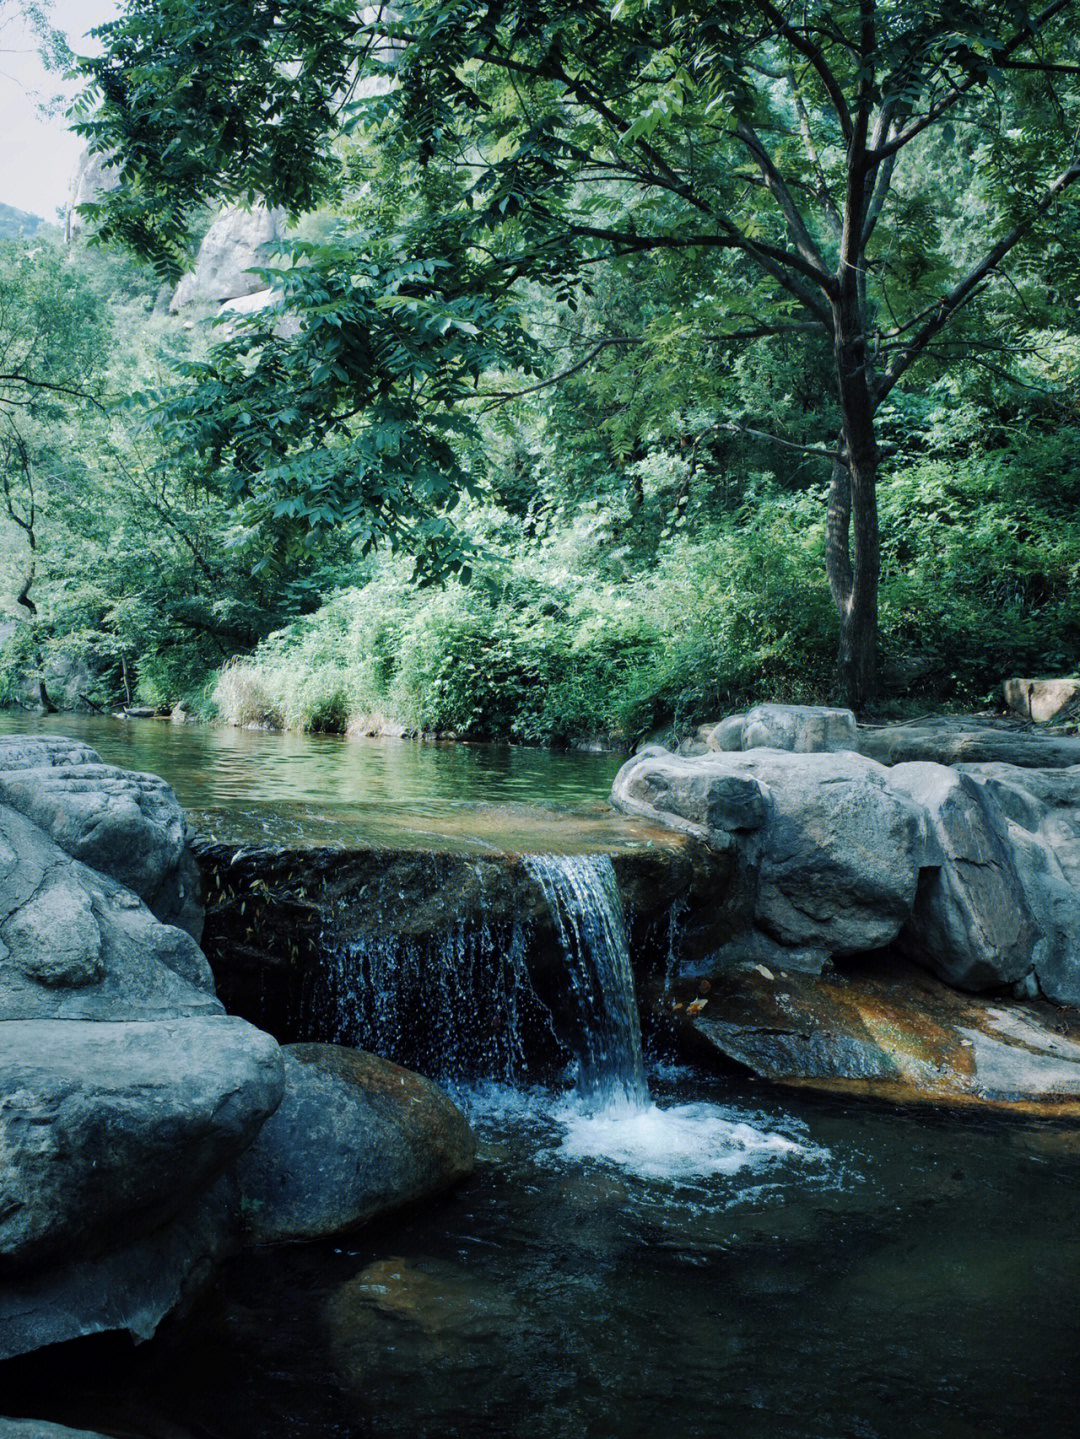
x=886 y=1029
x=355 y=1136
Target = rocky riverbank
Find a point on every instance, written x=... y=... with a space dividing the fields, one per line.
x=870 y=895
x=133 y=1108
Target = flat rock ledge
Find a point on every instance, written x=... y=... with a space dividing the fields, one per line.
x=887 y=1030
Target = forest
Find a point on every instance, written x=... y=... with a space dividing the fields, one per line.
x=623 y=364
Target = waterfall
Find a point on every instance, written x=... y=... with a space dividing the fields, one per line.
x=583 y=896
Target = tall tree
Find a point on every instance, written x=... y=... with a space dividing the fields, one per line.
x=787 y=141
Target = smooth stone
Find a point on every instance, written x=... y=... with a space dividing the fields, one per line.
x=110 y=1129
x=354 y=1136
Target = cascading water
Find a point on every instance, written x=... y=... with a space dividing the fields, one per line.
x=583 y=896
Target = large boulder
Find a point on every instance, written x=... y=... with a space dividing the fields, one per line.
x=834 y=848
x=111 y=1129
x=126 y=1092
x=74 y=944
x=803 y=729
x=1043 y=701
x=237 y=241
x=128 y=826
x=971 y=921
x=354 y=1137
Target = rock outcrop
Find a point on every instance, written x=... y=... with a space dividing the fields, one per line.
x=966 y=739
x=94 y=177
x=237 y=241
x=973 y=869
x=353 y=1137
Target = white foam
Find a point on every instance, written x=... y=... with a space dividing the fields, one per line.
x=685 y=1141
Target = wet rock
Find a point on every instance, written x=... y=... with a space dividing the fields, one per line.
x=803 y=729
x=967 y=739
x=39 y=1429
x=128 y=826
x=111 y=1128
x=1043 y=701
x=889 y=1029
x=354 y=1136
x=131 y=1287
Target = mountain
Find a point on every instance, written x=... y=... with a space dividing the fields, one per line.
x=17 y=224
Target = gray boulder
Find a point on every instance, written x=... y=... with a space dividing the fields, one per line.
x=971 y=922
x=1043 y=701
x=835 y=848
x=235 y=242
x=111 y=1129
x=77 y=945
x=128 y=826
x=802 y=729
x=131 y=1287
x=354 y=1137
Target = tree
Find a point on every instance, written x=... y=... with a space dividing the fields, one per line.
x=786 y=143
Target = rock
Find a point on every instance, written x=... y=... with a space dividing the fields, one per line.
x=128 y=826
x=1039 y=813
x=960 y=739
x=235 y=243
x=77 y=945
x=110 y=1129
x=39 y=1429
x=890 y=1030
x=971 y=922
x=802 y=729
x=1043 y=700
x=94 y=177
x=22 y=751
x=354 y=1137
x=132 y=1287
x=835 y=848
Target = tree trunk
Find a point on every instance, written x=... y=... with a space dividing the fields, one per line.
x=853 y=554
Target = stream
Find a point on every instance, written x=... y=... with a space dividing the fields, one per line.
x=645 y=1251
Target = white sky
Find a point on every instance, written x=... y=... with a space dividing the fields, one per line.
x=38 y=155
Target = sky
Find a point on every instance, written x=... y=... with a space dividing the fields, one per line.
x=38 y=154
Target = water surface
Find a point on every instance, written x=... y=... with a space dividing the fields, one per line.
x=259 y=787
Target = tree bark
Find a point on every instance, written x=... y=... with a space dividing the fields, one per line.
x=853 y=553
